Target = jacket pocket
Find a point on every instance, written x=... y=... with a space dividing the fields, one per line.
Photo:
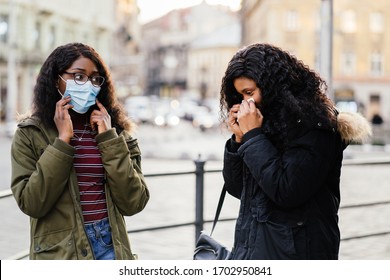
x=277 y=241
x=58 y=245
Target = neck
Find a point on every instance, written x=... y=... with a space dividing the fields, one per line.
x=78 y=118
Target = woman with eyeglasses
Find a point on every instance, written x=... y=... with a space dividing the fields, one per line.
x=76 y=170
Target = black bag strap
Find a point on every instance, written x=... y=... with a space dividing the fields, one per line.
x=219 y=207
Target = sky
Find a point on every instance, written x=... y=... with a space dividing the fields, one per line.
x=152 y=9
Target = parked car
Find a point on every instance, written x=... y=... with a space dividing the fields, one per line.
x=166 y=113
x=205 y=119
x=139 y=109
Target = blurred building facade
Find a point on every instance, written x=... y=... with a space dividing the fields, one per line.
x=31 y=30
x=208 y=57
x=361 y=44
x=187 y=50
x=126 y=59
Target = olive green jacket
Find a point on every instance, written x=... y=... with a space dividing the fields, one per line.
x=44 y=184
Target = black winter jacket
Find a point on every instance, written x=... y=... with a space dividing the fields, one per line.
x=290 y=198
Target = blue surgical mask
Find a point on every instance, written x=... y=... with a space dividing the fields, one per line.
x=82 y=96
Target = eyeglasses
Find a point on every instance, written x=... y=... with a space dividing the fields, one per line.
x=81 y=78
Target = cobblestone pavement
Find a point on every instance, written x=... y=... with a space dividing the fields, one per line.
x=173 y=202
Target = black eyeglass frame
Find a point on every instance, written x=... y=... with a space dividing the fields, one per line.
x=90 y=78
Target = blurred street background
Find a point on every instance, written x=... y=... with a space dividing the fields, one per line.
x=167 y=60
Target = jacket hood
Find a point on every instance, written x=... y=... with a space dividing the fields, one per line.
x=353 y=127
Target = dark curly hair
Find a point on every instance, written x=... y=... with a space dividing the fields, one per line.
x=290 y=90
x=46 y=94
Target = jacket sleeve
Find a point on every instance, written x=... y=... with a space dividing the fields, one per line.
x=232 y=169
x=122 y=163
x=291 y=178
x=39 y=174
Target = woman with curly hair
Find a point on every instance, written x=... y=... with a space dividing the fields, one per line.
x=284 y=158
x=76 y=170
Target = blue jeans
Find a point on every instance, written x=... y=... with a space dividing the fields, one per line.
x=99 y=235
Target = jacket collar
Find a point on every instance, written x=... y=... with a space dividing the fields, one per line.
x=353 y=127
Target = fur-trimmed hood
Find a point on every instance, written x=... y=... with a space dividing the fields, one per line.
x=353 y=127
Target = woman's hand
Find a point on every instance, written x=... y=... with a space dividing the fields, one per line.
x=100 y=119
x=249 y=116
x=62 y=119
x=233 y=124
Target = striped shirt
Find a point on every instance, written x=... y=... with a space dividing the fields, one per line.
x=90 y=173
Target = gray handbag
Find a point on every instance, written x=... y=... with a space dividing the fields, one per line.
x=207 y=248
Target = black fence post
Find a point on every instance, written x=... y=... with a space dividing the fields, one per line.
x=199 y=191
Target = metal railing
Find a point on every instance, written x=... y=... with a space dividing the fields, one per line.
x=199 y=221
x=199 y=198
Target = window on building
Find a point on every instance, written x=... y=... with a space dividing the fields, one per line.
x=376 y=64
x=52 y=36
x=348 y=63
x=292 y=20
x=37 y=35
x=376 y=22
x=348 y=21
x=375 y=98
x=69 y=32
x=375 y=108
x=3 y=28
